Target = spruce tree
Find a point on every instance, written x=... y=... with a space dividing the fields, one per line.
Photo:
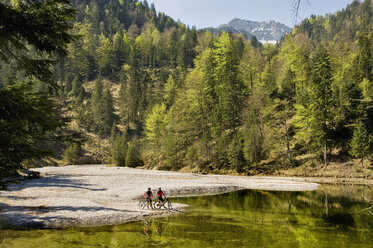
x=34 y=35
x=107 y=107
x=96 y=104
x=320 y=101
x=113 y=134
x=119 y=150
x=72 y=153
x=132 y=155
x=360 y=143
x=76 y=86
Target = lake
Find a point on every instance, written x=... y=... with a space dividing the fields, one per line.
x=333 y=216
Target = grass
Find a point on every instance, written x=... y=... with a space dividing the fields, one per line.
x=4 y=224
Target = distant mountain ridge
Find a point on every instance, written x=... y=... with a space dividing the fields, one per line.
x=269 y=31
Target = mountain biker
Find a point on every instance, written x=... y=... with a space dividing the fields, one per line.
x=148 y=196
x=160 y=195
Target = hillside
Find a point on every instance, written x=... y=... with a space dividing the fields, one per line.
x=147 y=91
x=346 y=24
x=162 y=106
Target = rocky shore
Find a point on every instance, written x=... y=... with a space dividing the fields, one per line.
x=93 y=195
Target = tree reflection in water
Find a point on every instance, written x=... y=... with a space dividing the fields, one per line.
x=333 y=216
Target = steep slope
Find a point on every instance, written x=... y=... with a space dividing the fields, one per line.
x=348 y=23
x=146 y=90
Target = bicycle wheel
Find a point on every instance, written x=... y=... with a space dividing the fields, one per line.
x=169 y=205
x=157 y=205
x=142 y=205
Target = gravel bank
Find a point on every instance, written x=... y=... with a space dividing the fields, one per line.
x=92 y=195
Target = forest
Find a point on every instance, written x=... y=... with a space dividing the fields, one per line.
x=118 y=82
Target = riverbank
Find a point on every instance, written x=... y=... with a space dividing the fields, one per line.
x=93 y=195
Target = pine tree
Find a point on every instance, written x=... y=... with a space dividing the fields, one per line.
x=96 y=104
x=106 y=56
x=320 y=101
x=113 y=134
x=107 y=107
x=132 y=155
x=360 y=143
x=156 y=125
x=119 y=150
x=76 y=86
x=31 y=45
x=72 y=153
x=227 y=85
x=169 y=91
x=235 y=154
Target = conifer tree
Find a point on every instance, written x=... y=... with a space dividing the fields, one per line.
x=227 y=85
x=96 y=103
x=108 y=116
x=76 y=86
x=320 y=101
x=31 y=44
x=113 y=134
x=119 y=150
x=103 y=108
x=72 y=153
x=169 y=91
x=132 y=155
x=360 y=143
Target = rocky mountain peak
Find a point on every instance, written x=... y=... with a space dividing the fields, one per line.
x=266 y=31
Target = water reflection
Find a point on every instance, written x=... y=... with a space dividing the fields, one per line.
x=333 y=216
x=154 y=224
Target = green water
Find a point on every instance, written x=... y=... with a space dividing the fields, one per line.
x=329 y=217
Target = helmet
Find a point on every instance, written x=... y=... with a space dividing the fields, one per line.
x=149 y=188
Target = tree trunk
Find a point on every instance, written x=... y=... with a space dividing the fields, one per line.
x=287 y=140
x=326 y=204
x=325 y=154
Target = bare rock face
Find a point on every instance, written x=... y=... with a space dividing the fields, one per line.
x=266 y=32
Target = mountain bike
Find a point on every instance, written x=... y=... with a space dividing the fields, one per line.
x=143 y=203
x=166 y=204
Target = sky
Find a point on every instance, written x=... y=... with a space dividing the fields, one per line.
x=212 y=13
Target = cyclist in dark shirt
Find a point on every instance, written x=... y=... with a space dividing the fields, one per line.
x=148 y=196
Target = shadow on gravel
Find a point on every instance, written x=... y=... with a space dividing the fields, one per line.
x=56 y=182
x=32 y=216
x=73 y=209
x=15 y=197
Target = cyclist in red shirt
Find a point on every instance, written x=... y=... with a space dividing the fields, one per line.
x=160 y=195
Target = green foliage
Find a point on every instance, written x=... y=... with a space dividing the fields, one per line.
x=349 y=22
x=169 y=91
x=228 y=87
x=235 y=153
x=119 y=150
x=320 y=100
x=132 y=155
x=42 y=25
x=156 y=124
x=34 y=35
x=361 y=142
x=191 y=98
x=103 y=109
x=364 y=59
x=72 y=153
x=26 y=120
